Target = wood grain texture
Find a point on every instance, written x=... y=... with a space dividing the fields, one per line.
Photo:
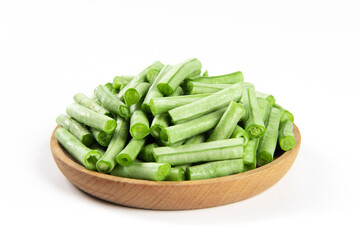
x=174 y=195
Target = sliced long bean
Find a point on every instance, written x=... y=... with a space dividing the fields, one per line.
x=193 y=153
x=270 y=98
x=111 y=102
x=225 y=127
x=285 y=115
x=286 y=135
x=101 y=137
x=177 y=74
x=250 y=153
x=151 y=75
x=200 y=88
x=135 y=93
x=215 y=169
x=164 y=104
x=153 y=92
x=141 y=77
x=76 y=149
x=146 y=154
x=230 y=78
x=91 y=118
x=159 y=122
x=265 y=109
x=207 y=104
x=75 y=128
x=146 y=171
x=176 y=174
x=83 y=100
x=96 y=146
x=139 y=123
x=182 y=131
x=254 y=123
x=119 y=82
x=195 y=139
x=107 y=162
x=130 y=152
x=267 y=145
x=206 y=73
x=239 y=132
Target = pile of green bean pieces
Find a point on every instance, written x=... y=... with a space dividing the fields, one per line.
x=173 y=123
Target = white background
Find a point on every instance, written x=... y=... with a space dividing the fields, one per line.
x=306 y=53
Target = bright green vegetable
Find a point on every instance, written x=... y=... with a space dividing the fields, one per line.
x=250 y=153
x=286 y=135
x=178 y=91
x=146 y=153
x=153 y=92
x=130 y=152
x=109 y=86
x=267 y=145
x=286 y=115
x=96 y=146
x=164 y=104
x=83 y=100
x=91 y=118
x=215 y=169
x=111 y=102
x=141 y=77
x=119 y=82
x=139 y=123
x=200 y=88
x=151 y=75
x=182 y=131
x=177 y=74
x=225 y=127
x=206 y=73
x=75 y=148
x=75 y=128
x=135 y=93
x=146 y=171
x=176 y=174
x=192 y=153
x=207 y=104
x=107 y=162
x=265 y=109
x=254 y=123
x=268 y=97
x=239 y=132
x=195 y=139
x=230 y=78
x=159 y=122
x=183 y=166
x=101 y=137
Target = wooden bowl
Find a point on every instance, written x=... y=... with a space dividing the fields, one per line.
x=174 y=195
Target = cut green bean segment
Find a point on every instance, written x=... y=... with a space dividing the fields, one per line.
x=207 y=104
x=178 y=92
x=176 y=174
x=153 y=92
x=91 y=118
x=177 y=74
x=164 y=104
x=285 y=115
x=151 y=75
x=183 y=166
x=139 y=123
x=195 y=139
x=254 y=123
x=119 y=82
x=206 y=73
x=109 y=86
x=108 y=161
x=200 y=88
x=83 y=100
x=141 y=77
x=182 y=131
x=192 y=153
x=75 y=148
x=146 y=154
x=265 y=109
x=75 y=128
x=286 y=135
x=250 y=153
x=96 y=146
x=230 y=78
x=159 y=122
x=268 y=97
x=130 y=152
x=239 y=132
x=225 y=127
x=267 y=145
x=215 y=169
x=101 y=137
x=141 y=170
x=135 y=93
x=111 y=102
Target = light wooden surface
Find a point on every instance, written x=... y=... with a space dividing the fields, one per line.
x=174 y=195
